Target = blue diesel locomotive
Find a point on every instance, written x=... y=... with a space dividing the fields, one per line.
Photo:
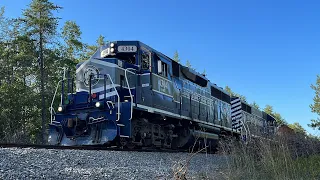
x=128 y=94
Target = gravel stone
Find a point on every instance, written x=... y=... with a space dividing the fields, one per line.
x=26 y=163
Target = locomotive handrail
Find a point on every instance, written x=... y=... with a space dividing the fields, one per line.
x=118 y=118
x=246 y=130
x=131 y=97
x=51 y=109
x=243 y=127
x=249 y=133
x=54 y=96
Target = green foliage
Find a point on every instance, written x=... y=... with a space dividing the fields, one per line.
x=315 y=107
x=228 y=89
x=22 y=42
x=101 y=40
x=89 y=50
x=71 y=34
x=176 y=57
x=279 y=119
x=2 y=11
x=255 y=105
x=41 y=25
x=39 y=18
x=204 y=72
x=3 y=23
x=268 y=109
x=315 y=123
x=19 y=114
x=188 y=64
x=297 y=128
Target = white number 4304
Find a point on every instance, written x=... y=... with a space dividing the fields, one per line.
x=127 y=48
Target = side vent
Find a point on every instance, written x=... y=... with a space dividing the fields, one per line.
x=217 y=93
x=193 y=77
x=175 y=69
x=246 y=108
x=236 y=113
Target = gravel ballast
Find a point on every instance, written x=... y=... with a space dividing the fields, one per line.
x=16 y=163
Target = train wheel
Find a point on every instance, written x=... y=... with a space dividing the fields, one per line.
x=123 y=142
x=130 y=144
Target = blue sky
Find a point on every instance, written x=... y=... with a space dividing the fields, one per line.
x=267 y=50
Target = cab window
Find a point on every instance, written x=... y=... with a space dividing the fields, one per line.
x=162 y=68
x=145 y=60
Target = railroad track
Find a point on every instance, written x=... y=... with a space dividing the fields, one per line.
x=104 y=148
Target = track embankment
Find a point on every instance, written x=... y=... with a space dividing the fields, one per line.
x=53 y=163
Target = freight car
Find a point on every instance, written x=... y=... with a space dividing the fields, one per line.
x=128 y=94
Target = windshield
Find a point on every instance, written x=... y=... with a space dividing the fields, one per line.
x=127 y=57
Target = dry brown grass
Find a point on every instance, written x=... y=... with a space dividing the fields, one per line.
x=287 y=158
x=292 y=157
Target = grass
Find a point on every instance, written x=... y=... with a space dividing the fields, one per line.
x=288 y=158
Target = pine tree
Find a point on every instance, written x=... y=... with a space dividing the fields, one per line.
x=89 y=50
x=41 y=25
x=188 y=64
x=279 y=119
x=3 y=24
x=204 y=72
x=176 y=57
x=101 y=40
x=228 y=89
x=71 y=34
x=268 y=109
x=297 y=128
x=255 y=105
x=315 y=107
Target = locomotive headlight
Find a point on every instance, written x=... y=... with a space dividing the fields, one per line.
x=112 y=50
x=60 y=109
x=112 y=45
x=98 y=104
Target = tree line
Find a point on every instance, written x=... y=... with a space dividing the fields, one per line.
x=33 y=54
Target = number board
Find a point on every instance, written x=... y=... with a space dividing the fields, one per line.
x=127 y=48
